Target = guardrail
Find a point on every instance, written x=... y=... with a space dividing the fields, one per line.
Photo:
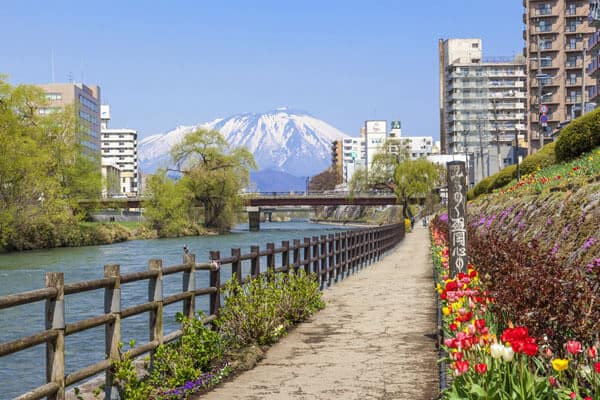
x=330 y=257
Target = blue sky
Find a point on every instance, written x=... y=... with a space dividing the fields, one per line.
x=166 y=63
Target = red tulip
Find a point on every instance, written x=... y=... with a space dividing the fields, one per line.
x=461 y=367
x=573 y=347
x=592 y=353
x=597 y=366
x=481 y=368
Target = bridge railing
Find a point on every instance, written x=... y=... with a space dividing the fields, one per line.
x=330 y=257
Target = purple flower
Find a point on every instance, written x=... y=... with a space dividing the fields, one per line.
x=444 y=217
x=490 y=221
x=521 y=225
x=555 y=248
x=549 y=221
x=589 y=243
x=519 y=215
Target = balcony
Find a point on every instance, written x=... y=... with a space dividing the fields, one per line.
x=573 y=82
x=545 y=12
x=573 y=99
x=570 y=64
x=594 y=42
x=577 y=46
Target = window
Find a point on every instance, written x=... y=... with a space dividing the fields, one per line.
x=546 y=44
x=572 y=9
x=545 y=62
x=474 y=45
x=544 y=26
x=53 y=96
x=572 y=26
x=105 y=136
x=544 y=9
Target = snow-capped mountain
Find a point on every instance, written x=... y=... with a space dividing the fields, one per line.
x=283 y=140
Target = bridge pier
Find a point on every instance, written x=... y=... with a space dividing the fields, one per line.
x=253 y=218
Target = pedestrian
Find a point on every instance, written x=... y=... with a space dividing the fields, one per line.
x=412 y=223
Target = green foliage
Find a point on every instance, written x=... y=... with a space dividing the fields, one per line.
x=260 y=311
x=44 y=171
x=413 y=179
x=174 y=364
x=541 y=159
x=167 y=209
x=212 y=175
x=580 y=136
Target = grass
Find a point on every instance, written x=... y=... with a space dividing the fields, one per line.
x=127 y=224
x=579 y=170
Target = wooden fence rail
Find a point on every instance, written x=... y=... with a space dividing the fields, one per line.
x=330 y=257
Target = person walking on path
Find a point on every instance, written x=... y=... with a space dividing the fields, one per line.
x=374 y=340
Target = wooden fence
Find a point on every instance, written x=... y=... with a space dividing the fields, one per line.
x=331 y=257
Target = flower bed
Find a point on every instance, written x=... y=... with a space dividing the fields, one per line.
x=492 y=358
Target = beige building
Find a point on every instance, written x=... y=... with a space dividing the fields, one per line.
x=482 y=106
x=87 y=100
x=556 y=36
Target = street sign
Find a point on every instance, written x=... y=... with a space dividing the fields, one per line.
x=543 y=108
x=543 y=118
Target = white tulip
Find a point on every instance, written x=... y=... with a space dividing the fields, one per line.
x=496 y=350
x=508 y=354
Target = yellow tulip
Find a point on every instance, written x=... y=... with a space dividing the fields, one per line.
x=560 y=364
x=445 y=311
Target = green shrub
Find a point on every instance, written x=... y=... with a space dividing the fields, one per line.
x=543 y=158
x=260 y=311
x=580 y=136
x=502 y=178
x=480 y=188
x=174 y=364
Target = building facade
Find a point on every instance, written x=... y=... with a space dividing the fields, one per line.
x=86 y=98
x=119 y=149
x=483 y=105
x=556 y=37
x=354 y=156
x=418 y=146
x=593 y=68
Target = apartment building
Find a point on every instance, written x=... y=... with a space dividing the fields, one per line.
x=418 y=146
x=483 y=105
x=593 y=49
x=354 y=156
x=119 y=150
x=557 y=33
x=87 y=100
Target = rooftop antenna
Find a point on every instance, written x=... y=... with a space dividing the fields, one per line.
x=70 y=77
x=52 y=64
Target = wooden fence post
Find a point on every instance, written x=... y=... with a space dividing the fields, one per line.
x=270 y=257
x=315 y=257
x=344 y=252
x=55 y=348
x=338 y=256
x=112 y=338
x=255 y=261
x=189 y=285
x=296 y=255
x=285 y=255
x=215 y=281
x=323 y=258
x=236 y=264
x=331 y=256
x=307 y=256
x=155 y=294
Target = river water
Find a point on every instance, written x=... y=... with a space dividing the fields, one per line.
x=25 y=271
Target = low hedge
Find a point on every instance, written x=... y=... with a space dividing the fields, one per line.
x=580 y=136
x=543 y=158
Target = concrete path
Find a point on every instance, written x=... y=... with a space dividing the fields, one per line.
x=374 y=340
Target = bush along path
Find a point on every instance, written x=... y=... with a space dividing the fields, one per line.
x=374 y=339
x=517 y=325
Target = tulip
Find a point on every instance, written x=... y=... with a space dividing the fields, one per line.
x=560 y=364
x=481 y=368
x=508 y=354
x=592 y=352
x=461 y=367
x=552 y=380
x=597 y=366
x=496 y=350
x=573 y=346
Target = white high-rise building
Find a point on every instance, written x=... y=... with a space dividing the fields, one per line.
x=353 y=156
x=375 y=137
x=483 y=105
x=119 y=149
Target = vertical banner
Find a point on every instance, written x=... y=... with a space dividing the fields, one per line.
x=457 y=217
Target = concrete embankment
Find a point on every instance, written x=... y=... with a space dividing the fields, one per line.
x=375 y=339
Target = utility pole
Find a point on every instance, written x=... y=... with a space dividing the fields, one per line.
x=583 y=78
x=540 y=84
x=497 y=134
x=481 y=147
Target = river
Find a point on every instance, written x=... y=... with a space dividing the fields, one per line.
x=25 y=271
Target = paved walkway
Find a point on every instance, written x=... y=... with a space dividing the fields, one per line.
x=374 y=340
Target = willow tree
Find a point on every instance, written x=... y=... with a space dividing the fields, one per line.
x=214 y=173
x=414 y=179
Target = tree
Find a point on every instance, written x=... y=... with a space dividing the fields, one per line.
x=414 y=179
x=214 y=174
x=43 y=171
x=326 y=180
